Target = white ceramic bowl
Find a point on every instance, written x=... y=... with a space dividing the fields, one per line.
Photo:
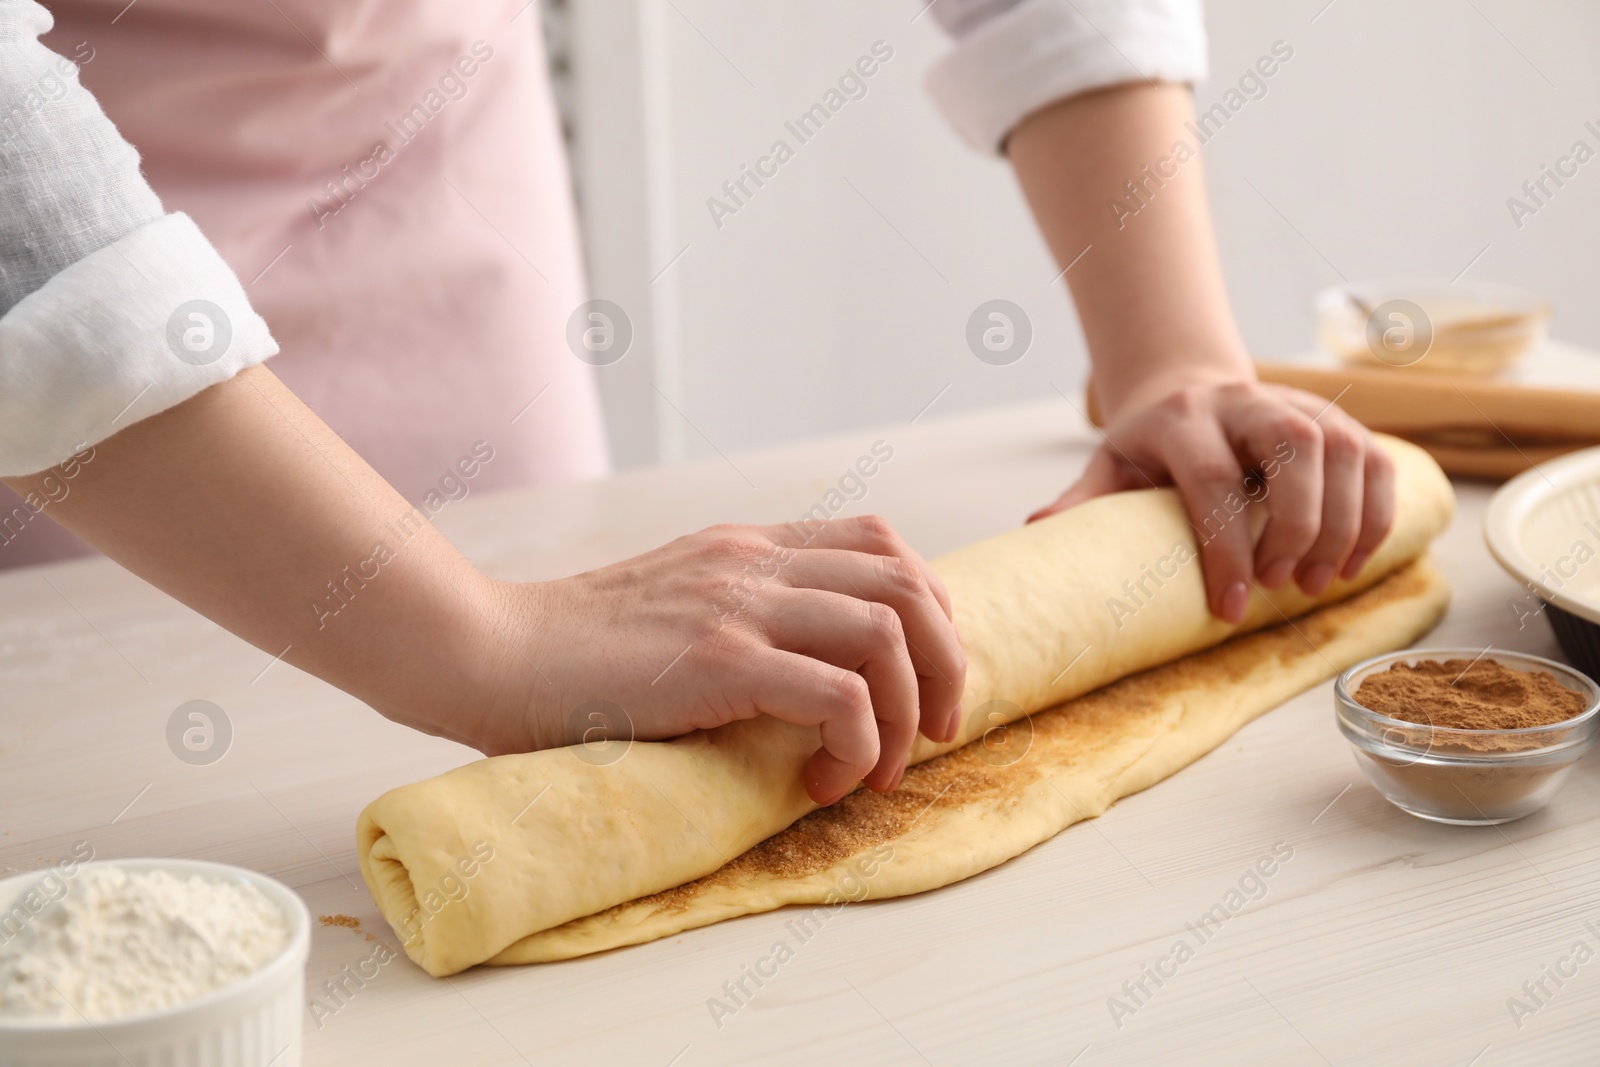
x=1544 y=528
x=255 y=1022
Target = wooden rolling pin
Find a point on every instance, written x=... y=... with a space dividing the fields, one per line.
x=1473 y=427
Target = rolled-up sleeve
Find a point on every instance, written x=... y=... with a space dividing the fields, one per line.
x=1013 y=57
x=111 y=310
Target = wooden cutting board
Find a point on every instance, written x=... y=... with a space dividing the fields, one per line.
x=1475 y=427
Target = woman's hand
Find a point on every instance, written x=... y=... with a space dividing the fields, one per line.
x=1172 y=375
x=241 y=503
x=837 y=624
x=1327 y=486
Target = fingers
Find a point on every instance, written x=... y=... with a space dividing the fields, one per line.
x=1328 y=487
x=862 y=636
x=859 y=599
x=1377 y=508
x=935 y=649
x=1322 y=513
x=1277 y=438
x=808 y=692
x=871 y=534
x=1210 y=480
x=1107 y=473
x=1343 y=476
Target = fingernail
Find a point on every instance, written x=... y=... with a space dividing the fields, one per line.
x=1277 y=572
x=1235 y=599
x=1316 y=578
x=1353 y=565
x=898 y=776
x=952 y=729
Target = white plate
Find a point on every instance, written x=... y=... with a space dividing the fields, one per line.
x=1543 y=527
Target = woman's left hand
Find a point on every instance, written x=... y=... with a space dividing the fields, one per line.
x=1328 y=486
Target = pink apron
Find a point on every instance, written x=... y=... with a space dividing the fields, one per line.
x=388 y=180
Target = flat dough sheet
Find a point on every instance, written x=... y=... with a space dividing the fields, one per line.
x=997 y=797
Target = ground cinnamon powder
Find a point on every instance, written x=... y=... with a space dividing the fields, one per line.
x=1461 y=694
x=1458 y=694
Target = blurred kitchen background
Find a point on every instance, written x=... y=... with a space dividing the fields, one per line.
x=837 y=298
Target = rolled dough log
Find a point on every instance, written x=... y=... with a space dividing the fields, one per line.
x=973 y=809
x=1047 y=612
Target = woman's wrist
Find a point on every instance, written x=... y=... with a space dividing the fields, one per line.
x=515 y=707
x=1116 y=394
x=471 y=685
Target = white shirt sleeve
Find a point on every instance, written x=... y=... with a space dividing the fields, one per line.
x=1013 y=57
x=110 y=310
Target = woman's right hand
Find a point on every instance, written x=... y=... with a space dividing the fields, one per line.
x=836 y=624
x=241 y=503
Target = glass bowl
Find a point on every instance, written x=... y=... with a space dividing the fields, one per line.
x=1468 y=328
x=1466 y=777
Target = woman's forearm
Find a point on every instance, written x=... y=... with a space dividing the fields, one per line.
x=242 y=504
x=1117 y=172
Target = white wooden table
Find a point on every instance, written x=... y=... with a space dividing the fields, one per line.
x=1384 y=939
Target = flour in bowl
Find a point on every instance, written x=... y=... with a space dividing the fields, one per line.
x=119 y=942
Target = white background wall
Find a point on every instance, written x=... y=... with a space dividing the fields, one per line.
x=838 y=297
